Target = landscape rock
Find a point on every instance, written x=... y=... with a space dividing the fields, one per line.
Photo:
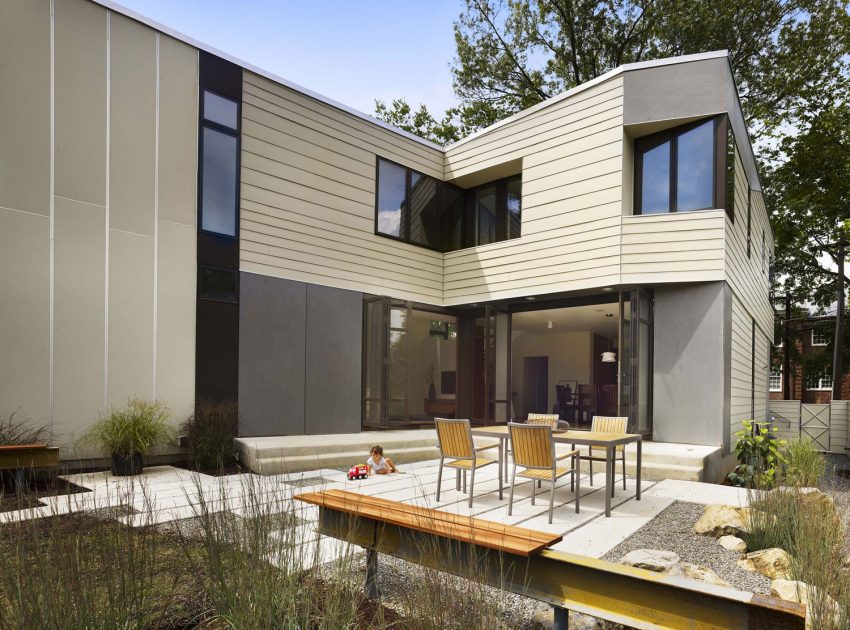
x=802 y=593
x=651 y=559
x=733 y=543
x=774 y=563
x=723 y=520
x=695 y=572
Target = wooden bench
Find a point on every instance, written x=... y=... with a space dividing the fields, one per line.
x=517 y=560
x=23 y=457
x=505 y=538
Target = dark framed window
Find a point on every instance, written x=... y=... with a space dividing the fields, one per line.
x=749 y=220
x=218 y=284
x=682 y=169
x=422 y=210
x=219 y=168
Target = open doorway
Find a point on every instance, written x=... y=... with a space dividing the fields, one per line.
x=565 y=361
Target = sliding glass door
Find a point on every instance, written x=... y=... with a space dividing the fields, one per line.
x=635 y=376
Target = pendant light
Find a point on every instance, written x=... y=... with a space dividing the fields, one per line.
x=609 y=356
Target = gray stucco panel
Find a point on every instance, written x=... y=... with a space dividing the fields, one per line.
x=333 y=360
x=272 y=317
x=690 y=397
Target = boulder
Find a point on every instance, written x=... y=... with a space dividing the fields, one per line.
x=723 y=520
x=651 y=559
x=773 y=563
x=733 y=543
x=808 y=494
x=695 y=572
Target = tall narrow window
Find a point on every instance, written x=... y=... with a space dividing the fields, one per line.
x=515 y=207
x=695 y=168
x=730 y=171
x=392 y=198
x=655 y=179
x=424 y=192
x=485 y=215
x=219 y=164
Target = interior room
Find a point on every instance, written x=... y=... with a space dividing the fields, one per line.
x=564 y=361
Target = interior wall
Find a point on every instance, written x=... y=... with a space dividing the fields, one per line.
x=570 y=356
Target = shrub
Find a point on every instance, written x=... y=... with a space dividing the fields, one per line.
x=137 y=429
x=15 y=430
x=805 y=466
x=210 y=432
x=759 y=455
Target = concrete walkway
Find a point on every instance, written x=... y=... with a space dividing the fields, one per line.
x=165 y=493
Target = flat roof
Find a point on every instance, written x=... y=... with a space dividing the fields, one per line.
x=113 y=6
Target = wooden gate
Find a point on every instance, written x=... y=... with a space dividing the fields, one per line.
x=815 y=425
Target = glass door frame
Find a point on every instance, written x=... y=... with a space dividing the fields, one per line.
x=641 y=311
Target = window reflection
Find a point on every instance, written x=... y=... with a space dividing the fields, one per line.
x=695 y=168
x=655 y=181
x=391 y=198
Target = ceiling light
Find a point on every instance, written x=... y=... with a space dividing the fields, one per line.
x=607 y=289
x=530 y=298
x=550 y=324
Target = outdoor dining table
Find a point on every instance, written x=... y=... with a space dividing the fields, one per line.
x=597 y=439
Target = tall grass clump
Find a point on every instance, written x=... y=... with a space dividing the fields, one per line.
x=805 y=524
x=210 y=434
x=88 y=571
x=255 y=557
x=135 y=429
x=804 y=465
x=15 y=430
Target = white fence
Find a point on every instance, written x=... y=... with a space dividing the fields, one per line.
x=826 y=425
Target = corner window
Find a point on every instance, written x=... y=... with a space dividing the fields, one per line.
x=422 y=210
x=677 y=170
x=219 y=168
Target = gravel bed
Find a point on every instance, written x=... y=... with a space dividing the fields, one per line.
x=671 y=530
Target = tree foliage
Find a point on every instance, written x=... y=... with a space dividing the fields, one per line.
x=512 y=54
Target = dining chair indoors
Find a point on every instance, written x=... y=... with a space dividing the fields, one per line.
x=549 y=419
x=608 y=424
x=534 y=451
x=458 y=451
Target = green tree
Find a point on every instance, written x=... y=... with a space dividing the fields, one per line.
x=512 y=54
x=808 y=195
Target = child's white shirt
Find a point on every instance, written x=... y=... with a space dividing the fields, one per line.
x=379 y=465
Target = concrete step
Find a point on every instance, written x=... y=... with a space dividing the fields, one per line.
x=298 y=463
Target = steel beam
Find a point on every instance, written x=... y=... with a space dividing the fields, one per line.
x=618 y=593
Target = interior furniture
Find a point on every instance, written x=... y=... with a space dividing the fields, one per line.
x=454 y=438
x=534 y=451
x=608 y=424
x=608 y=441
x=443 y=407
x=547 y=419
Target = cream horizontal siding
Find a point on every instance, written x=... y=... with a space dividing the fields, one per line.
x=571 y=156
x=741 y=378
x=749 y=276
x=673 y=247
x=308 y=197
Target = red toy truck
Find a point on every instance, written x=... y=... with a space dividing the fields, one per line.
x=359 y=471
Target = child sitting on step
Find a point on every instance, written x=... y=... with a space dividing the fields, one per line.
x=378 y=464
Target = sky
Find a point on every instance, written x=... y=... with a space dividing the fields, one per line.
x=351 y=51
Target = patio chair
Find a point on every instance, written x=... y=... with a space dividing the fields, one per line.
x=455 y=442
x=534 y=450
x=549 y=419
x=608 y=424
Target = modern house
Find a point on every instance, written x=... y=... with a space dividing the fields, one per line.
x=177 y=224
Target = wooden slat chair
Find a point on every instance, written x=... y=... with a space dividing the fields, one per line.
x=549 y=419
x=455 y=442
x=534 y=450
x=608 y=424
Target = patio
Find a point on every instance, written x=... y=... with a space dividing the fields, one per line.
x=164 y=494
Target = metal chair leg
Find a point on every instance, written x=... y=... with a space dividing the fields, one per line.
x=439 y=478
x=511 y=499
x=471 y=486
x=591 y=468
x=577 y=479
x=457 y=479
x=552 y=498
x=539 y=483
x=464 y=481
x=624 y=469
x=533 y=491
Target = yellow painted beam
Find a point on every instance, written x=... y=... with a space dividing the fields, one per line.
x=627 y=595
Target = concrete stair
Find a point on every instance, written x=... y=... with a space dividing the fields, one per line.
x=296 y=453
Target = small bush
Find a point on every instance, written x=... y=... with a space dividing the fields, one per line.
x=138 y=428
x=759 y=455
x=805 y=466
x=210 y=432
x=15 y=430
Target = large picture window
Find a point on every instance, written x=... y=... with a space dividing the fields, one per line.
x=425 y=211
x=682 y=169
x=219 y=164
